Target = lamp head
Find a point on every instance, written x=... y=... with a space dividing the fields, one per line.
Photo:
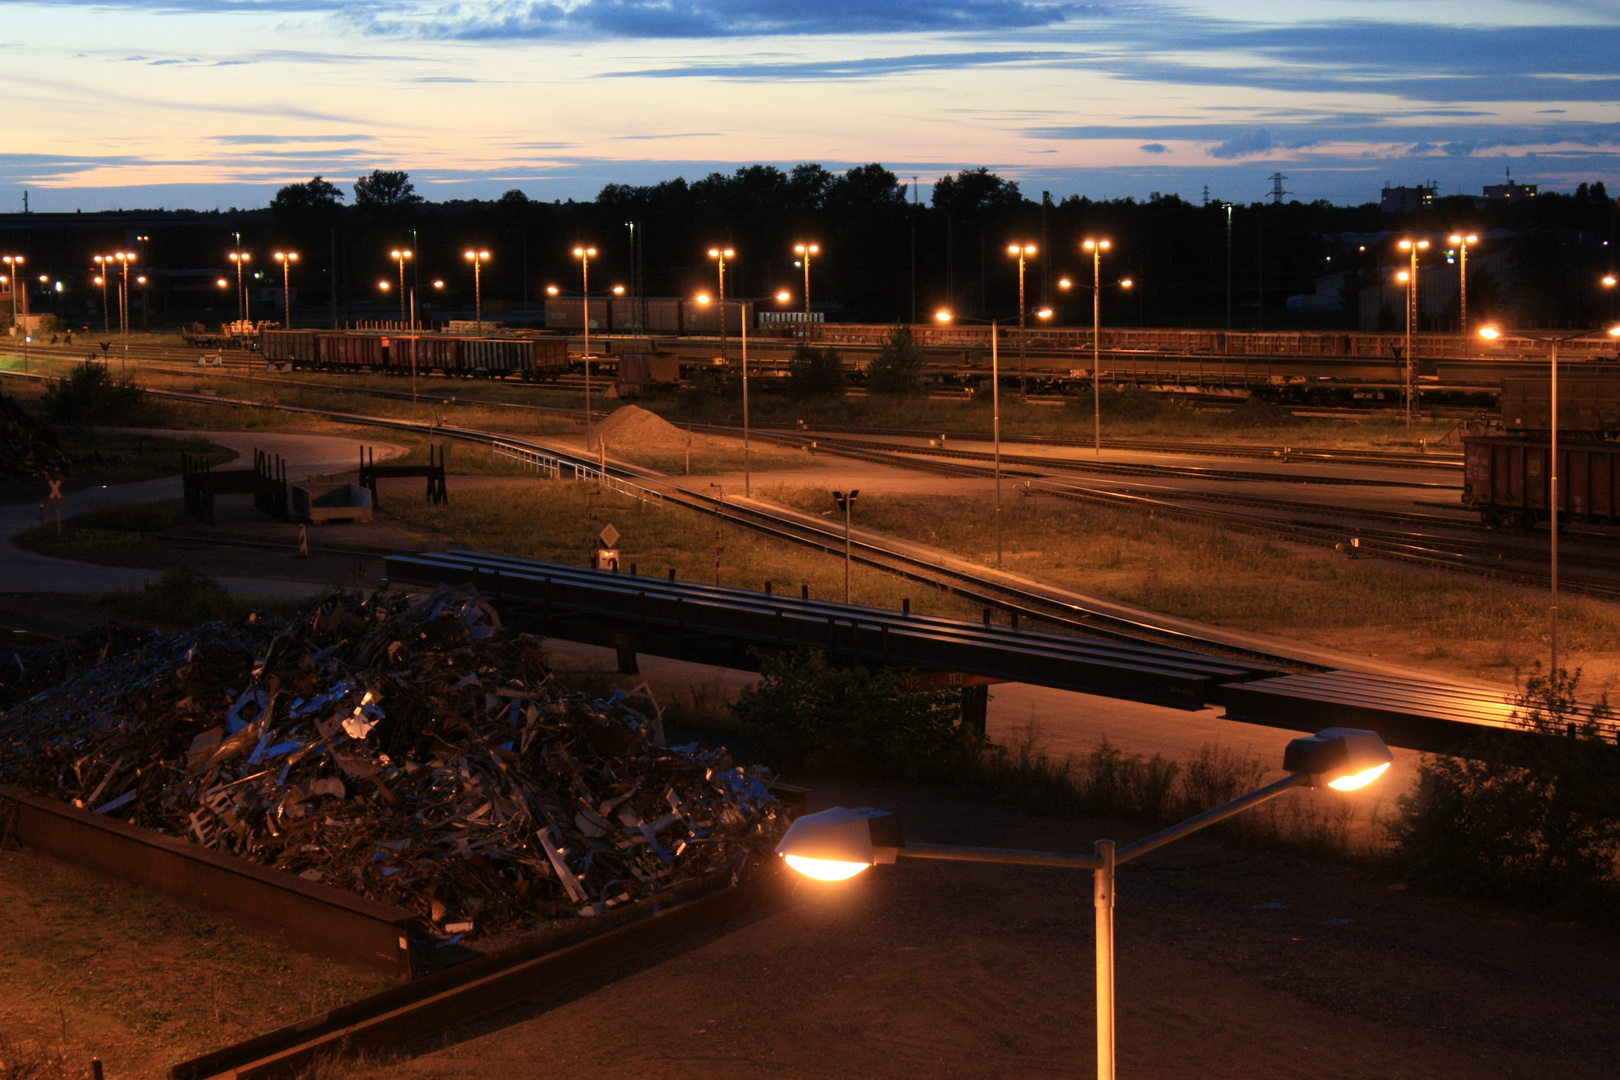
x=783 y=296
x=1344 y=759
x=383 y=285
x=1489 y=333
x=1614 y=331
x=1403 y=277
x=837 y=844
x=139 y=281
x=1126 y=283
x=943 y=316
x=1609 y=281
x=618 y=290
x=551 y=290
x=1065 y=283
x=703 y=298
x=222 y=283
x=438 y=284
x=1043 y=313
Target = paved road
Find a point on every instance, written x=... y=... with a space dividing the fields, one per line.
x=29 y=572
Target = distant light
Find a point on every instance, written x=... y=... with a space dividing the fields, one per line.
x=383 y=285
x=1126 y=283
x=618 y=290
x=942 y=315
x=1403 y=277
x=1491 y=333
x=551 y=290
x=1609 y=280
x=1065 y=283
x=783 y=297
x=703 y=298
x=1044 y=313
x=1614 y=331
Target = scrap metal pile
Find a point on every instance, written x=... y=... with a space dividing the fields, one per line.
x=28 y=449
x=403 y=748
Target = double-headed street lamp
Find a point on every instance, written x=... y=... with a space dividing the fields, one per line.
x=14 y=265
x=1413 y=246
x=1096 y=248
x=1491 y=333
x=804 y=251
x=583 y=254
x=103 y=272
x=478 y=259
x=837 y=844
x=720 y=255
x=124 y=258
x=402 y=256
x=1461 y=242
x=241 y=259
x=703 y=298
x=286 y=259
x=946 y=316
x=1023 y=253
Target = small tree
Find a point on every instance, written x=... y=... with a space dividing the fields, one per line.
x=898 y=367
x=91 y=395
x=815 y=373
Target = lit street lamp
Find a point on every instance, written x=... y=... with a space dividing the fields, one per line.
x=400 y=256
x=14 y=264
x=1491 y=333
x=286 y=259
x=748 y=487
x=478 y=259
x=846 y=502
x=837 y=844
x=240 y=258
x=804 y=251
x=146 y=293
x=1021 y=252
x=124 y=258
x=583 y=254
x=104 y=271
x=995 y=402
x=720 y=255
x=1414 y=246
x=1097 y=247
x=1461 y=241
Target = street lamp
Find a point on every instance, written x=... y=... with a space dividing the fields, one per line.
x=748 y=482
x=146 y=293
x=1461 y=241
x=720 y=255
x=104 y=268
x=845 y=501
x=124 y=258
x=945 y=316
x=1491 y=333
x=838 y=844
x=804 y=251
x=1414 y=246
x=286 y=259
x=14 y=264
x=1097 y=247
x=1021 y=252
x=240 y=258
x=583 y=254
x=478 y=259
x=400 y=255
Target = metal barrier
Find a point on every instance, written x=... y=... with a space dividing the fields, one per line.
x=542 y=463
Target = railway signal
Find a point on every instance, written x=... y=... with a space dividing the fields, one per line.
x=846 y=503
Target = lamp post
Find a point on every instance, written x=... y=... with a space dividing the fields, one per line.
x=583 y=254
x=478 y=259
x=945 y=316
x=103 y=271
x=804 y=251
x=1413 y=246
x=146 y=293
x=720 y=255
x=1491 y=333
x=401 y=256
x=846 y=502
x=1021 y=252
x=14 y=265
x=124 y=258
x=748 y=489
x=837 y=844
x=1462 y=240
x=1097 y=247
x=286 y=259
x=240 y=258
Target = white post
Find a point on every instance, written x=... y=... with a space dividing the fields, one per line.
x=1103 y=896
x=849 y=504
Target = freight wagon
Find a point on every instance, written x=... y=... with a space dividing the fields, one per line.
x=1505 y=479
x=469 y=357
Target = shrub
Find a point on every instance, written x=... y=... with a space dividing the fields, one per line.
x=1533 y=817
x=807 y=714
x=815 y=373
x=898 y=366
x=89 y=394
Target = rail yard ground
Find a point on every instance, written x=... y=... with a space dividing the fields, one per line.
x=1255 y=961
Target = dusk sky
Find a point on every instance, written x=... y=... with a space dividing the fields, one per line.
x=197 y=103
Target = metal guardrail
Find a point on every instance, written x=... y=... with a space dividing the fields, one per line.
x=542 y=463
x=726 y=626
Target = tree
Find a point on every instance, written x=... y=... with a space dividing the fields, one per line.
x=314 y=202
x=815 y=373
x=898 y=367
x=869 y=185
x=385 y=189
x=973 y=192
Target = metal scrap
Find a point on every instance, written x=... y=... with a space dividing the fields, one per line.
x=401 y=747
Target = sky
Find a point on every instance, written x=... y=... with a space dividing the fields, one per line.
x=215 y=103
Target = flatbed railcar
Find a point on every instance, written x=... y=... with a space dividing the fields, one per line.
x=536 y=358
x=1505 y=478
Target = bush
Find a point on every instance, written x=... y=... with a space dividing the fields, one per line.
x=1528 y=817
x=815 y=373
x=806 y=714
x=898 y=367
x=1256 y=412
x=89 y=394
x=1125 y=403
x=181 y=597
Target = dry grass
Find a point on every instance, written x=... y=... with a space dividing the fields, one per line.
x=1450 y=622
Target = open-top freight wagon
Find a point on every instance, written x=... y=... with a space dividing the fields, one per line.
x=1506 y=477
x=527 y=358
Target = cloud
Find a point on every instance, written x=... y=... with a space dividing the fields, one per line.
x=862 y=68
x=1254 y=143
x=1154 y=148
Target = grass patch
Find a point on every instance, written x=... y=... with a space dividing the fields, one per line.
x=1199 y=571
x=558 y=520
x=183 y=597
